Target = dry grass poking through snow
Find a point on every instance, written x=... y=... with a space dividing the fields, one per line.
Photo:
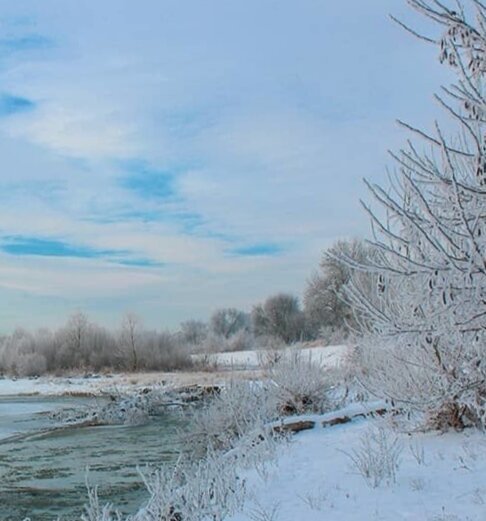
x=421 y=476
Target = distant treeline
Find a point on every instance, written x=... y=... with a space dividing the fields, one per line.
x=84 y=345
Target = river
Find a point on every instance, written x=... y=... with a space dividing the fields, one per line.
x=43 y=476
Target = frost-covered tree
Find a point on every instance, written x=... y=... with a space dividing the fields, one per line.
x=73 y=343
x=228 y=321
x=324 y=304
x=130 y=338
x=103 y=349
x=279 y=316
x=20 y=354
x=427 y=324
x=193 y=332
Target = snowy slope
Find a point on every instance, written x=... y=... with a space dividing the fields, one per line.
x=314 y=480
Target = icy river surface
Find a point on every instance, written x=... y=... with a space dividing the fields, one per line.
x=43 y=473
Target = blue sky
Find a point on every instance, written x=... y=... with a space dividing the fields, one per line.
x=171 y=157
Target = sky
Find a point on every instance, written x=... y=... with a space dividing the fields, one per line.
x=172 y=157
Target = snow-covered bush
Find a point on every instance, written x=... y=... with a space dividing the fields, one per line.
x=213 y=344
x=97 y=511
x=134 y=408
x=267 y=358
x=426 y=319
x=243 y=340
x=20 y=355
x=229 y=433
x=206 y=489
x=30 y=364
x=241 y=408
x=377 y=458
x=408 y=375
x=300 y=383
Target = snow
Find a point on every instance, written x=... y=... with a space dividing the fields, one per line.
x=92 y=385
x=100 y=384
x=52 y=386
x=328 y=356
x=352 y=410
x=313 y=479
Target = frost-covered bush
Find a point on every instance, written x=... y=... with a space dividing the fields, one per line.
x=377 y=458
x=162 y=351
x=426 y=319
x=408 y=374
x=243 y=340
x=213 y=344
x=21 y=355
x=97 y=511
x=206 y=489
x=77 y=345
x=229 y=433
x=30 y=364
x=300 y=383
x=239 y=409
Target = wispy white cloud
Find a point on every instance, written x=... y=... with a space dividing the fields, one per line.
x=82 y=132
x=220 y=163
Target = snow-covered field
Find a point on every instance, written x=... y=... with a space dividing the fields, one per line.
x=328 y=356
x=314 y=479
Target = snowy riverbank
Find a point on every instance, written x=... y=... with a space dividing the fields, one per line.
x=440 y=477
x=95 y=385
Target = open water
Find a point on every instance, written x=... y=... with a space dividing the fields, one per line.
x=43 y=475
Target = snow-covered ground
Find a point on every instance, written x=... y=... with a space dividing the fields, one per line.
x=314 y=479
x=329 y=356
x=49 y=386
x=101 y=384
